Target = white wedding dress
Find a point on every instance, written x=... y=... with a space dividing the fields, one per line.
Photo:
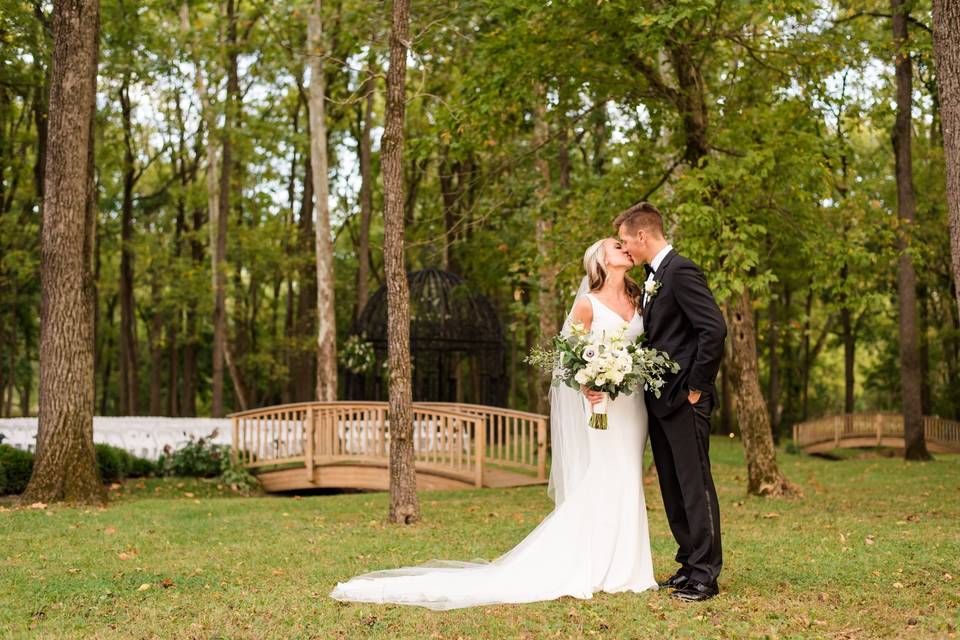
x=595 y=539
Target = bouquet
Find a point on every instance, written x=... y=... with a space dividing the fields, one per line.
x=606 y=362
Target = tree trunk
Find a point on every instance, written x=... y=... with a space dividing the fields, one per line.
x=156 y=363
x=773 y=387
x=304 y=379
x=326 y=313
x=65 y=467
x=129 y=357
x=926 y=394
x=849 y=359
x=946 y=49
x=219 y=224
x=916 y=448
x=544 y=231
x=366 y=191
x=763 y=475
x=404 y=504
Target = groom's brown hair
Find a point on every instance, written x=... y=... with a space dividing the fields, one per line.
x=642 y=215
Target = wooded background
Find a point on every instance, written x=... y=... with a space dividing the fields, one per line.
x=762 y=130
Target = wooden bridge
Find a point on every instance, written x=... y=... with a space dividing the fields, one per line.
x=880 y=429
x=347 y=445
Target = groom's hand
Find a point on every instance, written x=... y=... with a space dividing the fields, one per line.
x=694 y=396
x=593 y=396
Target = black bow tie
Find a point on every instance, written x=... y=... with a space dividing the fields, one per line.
x=648 y=269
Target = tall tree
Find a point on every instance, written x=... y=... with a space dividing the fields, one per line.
x=129 y=351
x=326 y=312
x=365 y=124
x=65 y=467
x=404 y=504
x=910 y=373
x=219 y=224
x=946 y=49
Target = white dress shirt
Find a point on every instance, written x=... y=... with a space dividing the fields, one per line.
x=655 y=264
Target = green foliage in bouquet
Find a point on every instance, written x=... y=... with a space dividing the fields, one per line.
x=606 y=362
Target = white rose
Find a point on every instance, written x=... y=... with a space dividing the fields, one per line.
x=582 y=377
x=649 y=286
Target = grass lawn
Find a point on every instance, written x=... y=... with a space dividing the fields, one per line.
x=873 y=550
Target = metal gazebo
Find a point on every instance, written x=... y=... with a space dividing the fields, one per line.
x=456 y=343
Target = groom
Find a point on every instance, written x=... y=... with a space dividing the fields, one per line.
x=681 y=317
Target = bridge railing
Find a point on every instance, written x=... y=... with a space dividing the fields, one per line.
x=877 y=425
x=457 y=438
x=514 y=438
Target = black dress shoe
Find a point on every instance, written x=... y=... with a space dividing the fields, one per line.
x=694 y=591
x=675 y=581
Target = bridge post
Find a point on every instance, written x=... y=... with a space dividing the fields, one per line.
x=311 y=429
x=541 y=449
x=479 y=448
x=235 y=442
x=836 y=433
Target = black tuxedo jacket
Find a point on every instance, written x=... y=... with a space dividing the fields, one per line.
x=683 y=319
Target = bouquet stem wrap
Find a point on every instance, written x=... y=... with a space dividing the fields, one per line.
x=598 y=417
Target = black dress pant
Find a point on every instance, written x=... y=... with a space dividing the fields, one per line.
x=681 y=444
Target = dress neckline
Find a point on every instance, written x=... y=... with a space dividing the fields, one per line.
x=602 y=304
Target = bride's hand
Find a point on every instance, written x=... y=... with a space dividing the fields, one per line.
x=593 y=396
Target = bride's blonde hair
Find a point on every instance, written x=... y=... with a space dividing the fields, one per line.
x=595 y=264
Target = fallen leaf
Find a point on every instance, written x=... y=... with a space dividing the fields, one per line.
x=110 y=531
x=166 y=583
x=144 y=586
x=39 y=505
x=770 y=515
x=187 y=494
x=898 y=585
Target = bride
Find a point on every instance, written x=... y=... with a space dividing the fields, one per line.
x=596 y=537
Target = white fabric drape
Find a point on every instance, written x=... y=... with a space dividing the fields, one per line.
x=569 y=412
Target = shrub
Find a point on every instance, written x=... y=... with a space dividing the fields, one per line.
x=17 y=466
x=238 y=478
x=140 y=467
x=199 y=458
x=111 y=462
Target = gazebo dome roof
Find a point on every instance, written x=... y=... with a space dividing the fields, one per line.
x=445 y=315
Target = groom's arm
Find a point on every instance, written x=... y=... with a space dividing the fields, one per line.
x=700 y=308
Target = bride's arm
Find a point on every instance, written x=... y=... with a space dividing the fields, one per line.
x=583 y=313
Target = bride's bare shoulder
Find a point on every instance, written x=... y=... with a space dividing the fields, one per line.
x=583 y=311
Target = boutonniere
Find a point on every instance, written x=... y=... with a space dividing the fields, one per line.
x=650 y=287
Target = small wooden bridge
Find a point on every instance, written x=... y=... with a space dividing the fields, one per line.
x=347 y=445
x=852 y=431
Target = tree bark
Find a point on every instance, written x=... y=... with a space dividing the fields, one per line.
x=65 y=467
x=304 y=378
x=404 y=504
x=129 y=356
x=543 y=234
x=946 y=50
x=219 y=224
x=773 y=388
x=763 y=475
x=326 y=313
x=366 y=191
x=910 y=386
